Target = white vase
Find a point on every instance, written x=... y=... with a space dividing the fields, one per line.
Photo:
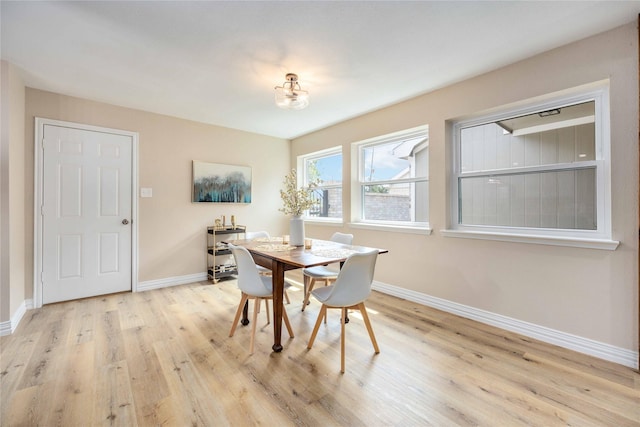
x=296 y=231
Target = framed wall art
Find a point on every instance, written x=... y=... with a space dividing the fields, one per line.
x=218 y=183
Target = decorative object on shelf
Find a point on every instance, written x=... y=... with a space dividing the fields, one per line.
x=296 y=201
x=218 y=183
x=233 y=221
x=290 y=95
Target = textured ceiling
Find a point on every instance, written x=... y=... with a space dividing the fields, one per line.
x=218 y=62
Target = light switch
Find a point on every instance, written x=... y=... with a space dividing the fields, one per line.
x=146 y=192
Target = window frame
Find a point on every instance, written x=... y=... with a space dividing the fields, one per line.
x=358 y=183
x=302 y=180
x=601 y=237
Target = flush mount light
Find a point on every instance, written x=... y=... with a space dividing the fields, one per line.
x=290 y=95
x=548 y=113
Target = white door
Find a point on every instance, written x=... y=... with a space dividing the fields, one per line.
x=87 y=213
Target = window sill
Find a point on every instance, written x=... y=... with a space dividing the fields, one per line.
x=392 y=228
x=326 y=221
x=575 y=242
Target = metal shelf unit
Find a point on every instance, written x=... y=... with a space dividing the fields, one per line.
x=219 y=260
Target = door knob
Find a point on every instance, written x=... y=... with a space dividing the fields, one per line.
x=125 y=221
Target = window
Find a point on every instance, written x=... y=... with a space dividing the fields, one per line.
x=324 y=167
x=539 y=171
x=393 y=180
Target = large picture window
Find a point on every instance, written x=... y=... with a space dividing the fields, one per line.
x=393 y=179
x=325 y=169
x=542 y=170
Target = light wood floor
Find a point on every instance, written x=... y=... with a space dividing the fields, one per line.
x=164 y=357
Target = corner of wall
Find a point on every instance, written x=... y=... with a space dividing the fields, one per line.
x=13 y=223
x=5 y=312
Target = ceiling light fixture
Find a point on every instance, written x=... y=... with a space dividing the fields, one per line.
x=548 y=113
x=290 y=95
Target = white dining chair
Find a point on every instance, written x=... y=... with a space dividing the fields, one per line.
x=325 y=273
x=253 y=235
x=253 y=286
x=349 y=292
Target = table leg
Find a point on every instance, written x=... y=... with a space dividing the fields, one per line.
x=278 y=296
x=245 y=314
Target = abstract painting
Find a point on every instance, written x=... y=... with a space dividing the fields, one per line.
x=218 y=183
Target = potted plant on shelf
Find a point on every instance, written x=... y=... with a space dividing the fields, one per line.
x=295 y=201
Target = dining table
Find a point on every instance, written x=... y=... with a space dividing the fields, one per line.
x=280 y=257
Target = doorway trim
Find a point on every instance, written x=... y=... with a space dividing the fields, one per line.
x=38 y=187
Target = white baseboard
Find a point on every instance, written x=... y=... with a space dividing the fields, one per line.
x=8 y=327
x=171 y=281
x=573 y=342
x=5 y=328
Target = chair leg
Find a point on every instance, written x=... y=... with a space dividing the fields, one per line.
x=256 y=308
x=286 y=297
x=307 y=291
x=342 y=338
x=266 y=305
x=243 y=300
x=323 y=312
x=325 y=317
x=305 y=281
x=367 y=323
x=286 y=322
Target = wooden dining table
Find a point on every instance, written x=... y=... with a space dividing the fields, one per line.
x=271 y=253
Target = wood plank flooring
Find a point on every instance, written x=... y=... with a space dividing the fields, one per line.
x=163 y=357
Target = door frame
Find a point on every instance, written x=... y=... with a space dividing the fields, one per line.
x=38 y=187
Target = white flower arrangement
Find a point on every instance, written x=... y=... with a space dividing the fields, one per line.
x=296 y=200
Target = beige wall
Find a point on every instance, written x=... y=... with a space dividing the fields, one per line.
x=12 y=204
x=17 y=201
x=172 y=229
x=586 y=292
x=5 y=249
